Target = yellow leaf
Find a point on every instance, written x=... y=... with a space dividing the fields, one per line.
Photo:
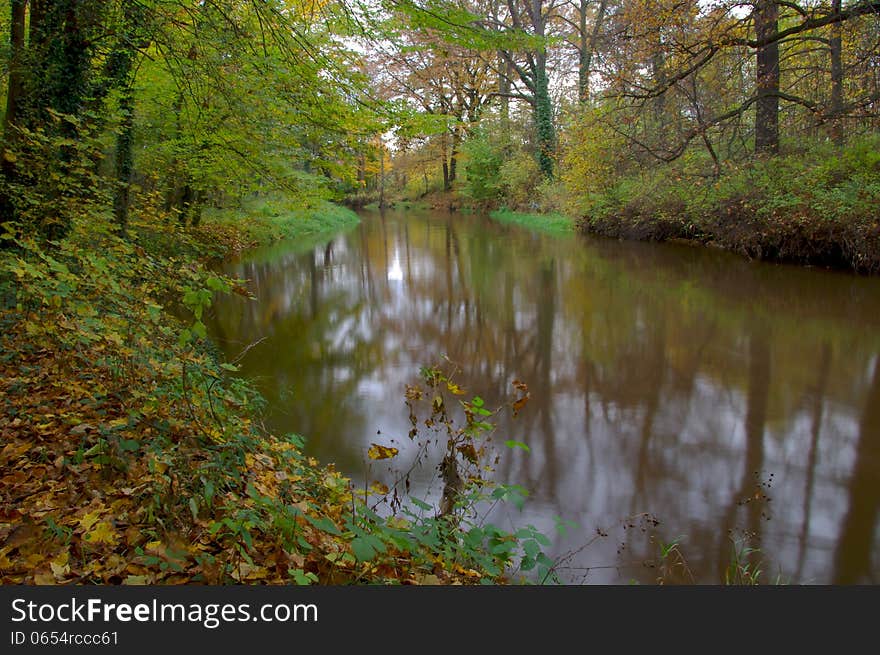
x=455 y=389
x=89 y=520
x=33 y=560
x=381 y=452
x=243 y=571
x=136 y=580
x=102 y=533
x=429 y=579
x=60 y=567
x=44 y=579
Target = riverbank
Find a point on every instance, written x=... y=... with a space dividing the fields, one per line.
x=811 y=209
x=263 y=220
x=131 y=456
x=552 y=223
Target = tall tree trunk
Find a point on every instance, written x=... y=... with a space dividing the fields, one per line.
x=766 y=15
x=124 y=142
x=544 y=117
x=15 y=89
x=453 y=156
x=588 y=46
x=120 y=68
x=543 y=104
x=583 y=54
x=504 y=88
x=14 y=94
x=381 y=175
x=172 y=190
x=835 y=45
x=445 y=152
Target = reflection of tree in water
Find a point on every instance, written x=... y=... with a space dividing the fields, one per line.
x=854 y=558
x=317 y=351
x=749 y=494
x=634 y=356
x=817 y=403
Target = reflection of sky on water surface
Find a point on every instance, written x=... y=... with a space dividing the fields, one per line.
x=664 y=380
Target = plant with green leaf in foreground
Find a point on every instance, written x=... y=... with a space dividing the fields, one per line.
x=452 y=531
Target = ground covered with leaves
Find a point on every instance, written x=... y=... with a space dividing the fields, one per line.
x=130 y=455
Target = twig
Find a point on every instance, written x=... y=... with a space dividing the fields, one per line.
x=247 y=348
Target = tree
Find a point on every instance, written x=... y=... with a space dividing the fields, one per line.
x=766 y=17
x=449 y=84
x=530 y=19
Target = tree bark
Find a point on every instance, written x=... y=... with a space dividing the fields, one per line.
x=836 y=47
x=543 y=104
x=588 y=46
x=583 y=54
x=766 y=15
x=504 y=88
x=15 y=88
x=453 y=156
x=544 y=118
x=124 y=143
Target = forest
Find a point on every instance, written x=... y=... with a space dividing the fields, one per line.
x=144 y=141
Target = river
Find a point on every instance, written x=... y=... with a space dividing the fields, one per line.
x=677 y=395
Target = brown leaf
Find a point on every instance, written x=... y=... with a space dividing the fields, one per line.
x=377 y=451
x=379 y=488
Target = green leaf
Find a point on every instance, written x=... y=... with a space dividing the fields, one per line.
x=301 y=577
x=362 y=549
x=324 y=524
x=214 y=283
x=531 y=548
x=510 y=443
x=129 y=445
x=199 y=330
x=421 y=504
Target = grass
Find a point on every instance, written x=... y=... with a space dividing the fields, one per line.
x=554 y=223
x=267 y=219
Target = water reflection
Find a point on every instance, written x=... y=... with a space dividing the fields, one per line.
x=721 y=396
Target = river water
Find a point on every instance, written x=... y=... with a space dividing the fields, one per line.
x=677 y=395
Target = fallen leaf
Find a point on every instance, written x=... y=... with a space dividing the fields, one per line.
x=44 y=579
x=381 y=452
x=102 y=533
x=136 y=580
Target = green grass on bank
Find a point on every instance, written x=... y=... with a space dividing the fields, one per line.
x=268 y=219
x=553 y=223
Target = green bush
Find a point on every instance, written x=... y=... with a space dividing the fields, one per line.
x=484 y=155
